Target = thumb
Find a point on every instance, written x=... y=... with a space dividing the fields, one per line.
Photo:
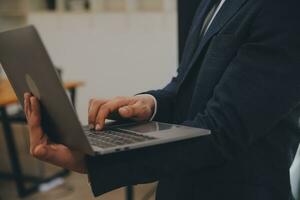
x=126 y=111
x=137 y=111
x=40 y=152
x=48 y=153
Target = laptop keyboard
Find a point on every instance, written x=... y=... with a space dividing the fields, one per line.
x=110 y=138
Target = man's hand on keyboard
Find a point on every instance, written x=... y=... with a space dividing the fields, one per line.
x=139 y=108
x=42 y=148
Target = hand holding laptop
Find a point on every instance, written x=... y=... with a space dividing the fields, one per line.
x=138 y=107
x=40 y=146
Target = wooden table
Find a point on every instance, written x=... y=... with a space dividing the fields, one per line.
x=8 y=97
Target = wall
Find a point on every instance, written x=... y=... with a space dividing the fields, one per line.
x=113 y=53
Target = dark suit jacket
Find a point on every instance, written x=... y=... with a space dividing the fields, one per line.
x=243 y=83
x=185 y=14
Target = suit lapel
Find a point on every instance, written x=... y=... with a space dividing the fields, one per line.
x=193 y=36
x=228 y=10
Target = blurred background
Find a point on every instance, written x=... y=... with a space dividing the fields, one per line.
x=115 y=47
x=111 y=45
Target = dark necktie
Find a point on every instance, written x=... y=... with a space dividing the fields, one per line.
x=201 y=21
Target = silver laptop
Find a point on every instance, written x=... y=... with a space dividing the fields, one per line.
x=29 y=69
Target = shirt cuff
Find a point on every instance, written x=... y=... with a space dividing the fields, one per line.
x=155 y=105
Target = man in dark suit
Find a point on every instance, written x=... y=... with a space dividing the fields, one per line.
x=240 y=78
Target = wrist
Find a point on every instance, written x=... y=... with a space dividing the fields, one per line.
x=152 y=103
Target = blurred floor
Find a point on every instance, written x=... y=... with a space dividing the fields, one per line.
x=75 y=187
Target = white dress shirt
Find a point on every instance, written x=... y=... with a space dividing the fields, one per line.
x=215 y=14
